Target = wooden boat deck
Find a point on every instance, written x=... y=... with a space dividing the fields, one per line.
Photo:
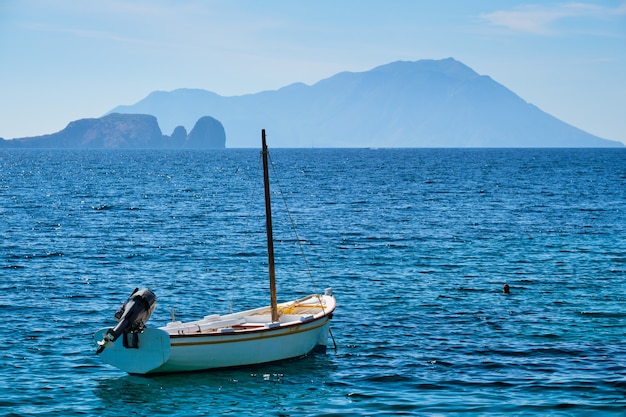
x=302 y=310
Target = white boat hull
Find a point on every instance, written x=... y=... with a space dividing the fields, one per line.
x=239 y=339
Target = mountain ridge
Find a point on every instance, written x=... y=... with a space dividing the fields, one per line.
x=425 y=103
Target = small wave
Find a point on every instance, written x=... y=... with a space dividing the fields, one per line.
x=358 y=395
x=591 y=210
x=547 y=336
x=532 y=352
x=466 y=289
x=102 y=207
x=246 y=254
x=388 y=378
x=602 y=314
x=429 y=387
x=39 y=255
x=441 y=363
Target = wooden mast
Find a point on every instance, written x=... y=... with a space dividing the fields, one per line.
x=268 y=229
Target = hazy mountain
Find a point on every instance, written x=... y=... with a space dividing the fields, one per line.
x=403 y=104
x=125 y=131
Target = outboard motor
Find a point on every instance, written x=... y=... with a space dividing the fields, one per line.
x=131 y=317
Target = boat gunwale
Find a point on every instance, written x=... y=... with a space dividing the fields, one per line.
x=235 y=337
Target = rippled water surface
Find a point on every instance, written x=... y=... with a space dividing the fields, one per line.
x=416 y=244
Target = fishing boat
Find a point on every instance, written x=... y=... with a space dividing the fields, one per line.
x=267 y=334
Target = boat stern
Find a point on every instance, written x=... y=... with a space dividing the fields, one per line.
x=151 y=351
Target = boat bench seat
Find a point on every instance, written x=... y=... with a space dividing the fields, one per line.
x=208 y=324
x=258 y=319
x=288 y=318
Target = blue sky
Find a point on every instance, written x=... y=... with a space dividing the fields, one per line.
x=64 y=60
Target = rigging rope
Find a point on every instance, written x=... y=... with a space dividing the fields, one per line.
x=295 y=232
x=292 y=224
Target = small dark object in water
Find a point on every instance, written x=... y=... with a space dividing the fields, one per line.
x=506 y=289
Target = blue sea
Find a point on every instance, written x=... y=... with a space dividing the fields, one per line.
x=416 y=244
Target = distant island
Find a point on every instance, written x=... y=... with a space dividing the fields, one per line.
x=426 y=103
x=126 y=131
